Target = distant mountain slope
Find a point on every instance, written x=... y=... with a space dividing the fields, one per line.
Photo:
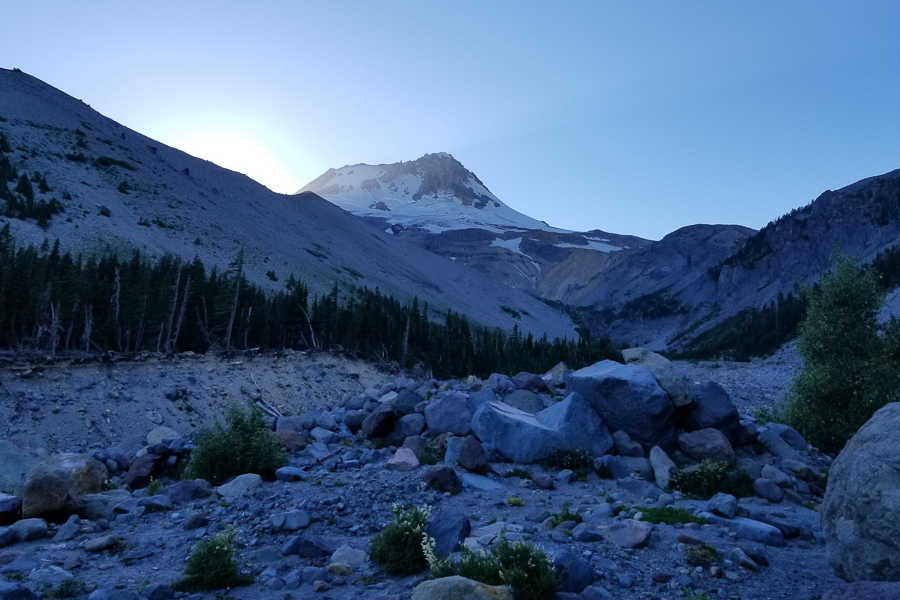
x=438 y=204
x=434 y=192
x=122 y=190
x=663 y=296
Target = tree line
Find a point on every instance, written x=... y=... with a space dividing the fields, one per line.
x=55 y=302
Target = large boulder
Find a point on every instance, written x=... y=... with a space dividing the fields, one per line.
x=57 y=483
x=459 y=588
x=449 y=413
x=449 y=527
x=707 y=444
x=861 y=511
x=711 y=407
x=627 y=397
x=525 y=400
x=677 y=386
x=524 y=437
x=380 y=421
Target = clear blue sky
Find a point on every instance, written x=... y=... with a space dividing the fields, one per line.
x=634 y=117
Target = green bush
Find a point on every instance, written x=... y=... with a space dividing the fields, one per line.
x=565 y=515
x=710 y=477
x=669 y=515
x=701 y=556
x=850 y=371
x=243 y=445
x=523 y=567
x=398 y=548
x=579 y=461
x=212 y=566
x=23 y=186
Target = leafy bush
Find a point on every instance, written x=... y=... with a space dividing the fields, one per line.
x=515 y=501
x=709 y=477
x=565 y=515
x=104 y=211
x=124 y=187
x=520 y=473
x=523 y=567
x=701 y=556
x=669 y=515
x=212 y=566
x=23 y=186
x=579 y=461
x=398 y=548
x=849 y=370
x=243 y=445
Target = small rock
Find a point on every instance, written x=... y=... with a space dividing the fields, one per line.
x=162 y=434
x=101 y=543
x=629 y=533
x=290 y=521
x=15 y=591
x=29 y=529
x=443 y=479
x=10 y=508
x=722 y=504
x=289 y=474
x=241 y=485
x=768 y=489
x=403 y=459
x=459 y=588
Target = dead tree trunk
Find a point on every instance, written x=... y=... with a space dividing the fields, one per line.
x=247 y=326
x=173 y=306
x=184 y=301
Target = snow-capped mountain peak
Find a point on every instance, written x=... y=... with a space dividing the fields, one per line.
x=435 y=193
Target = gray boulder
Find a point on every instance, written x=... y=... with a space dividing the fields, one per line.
x=711 y=407
x=523 y=437
x=380 y=422
x=573 y=571
x=10 y=508
x=15 y=464
x=722 y=504
x=15 y=591
x=768 y=489
x=525 y=400
x=58 y=482
x=621 y=467
x=625 y=446
x=411 y=424
x=449 y=413
x=707 y=444
x=865 y=590
x=627 y=397
x=662 y=466
x=677 y=386
x=529 y=381
x=861 y=511
x=449 y=528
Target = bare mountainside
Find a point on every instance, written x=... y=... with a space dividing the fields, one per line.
x=122 y=190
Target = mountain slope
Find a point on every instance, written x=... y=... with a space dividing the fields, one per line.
x=435 y=193
x=436 y=203
x=122 y=190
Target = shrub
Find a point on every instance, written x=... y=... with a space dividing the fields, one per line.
x=565 y=515
x=104 y=162
x=124 y=187
x=243 y=445
x=520 y=473
x=709 y=477
x=70 y=588
x=212 y=566
x=515 y=501
x=579 y=461
x=271 y=275
x=701 y=556
x=668 y=515
x=104 y=210
x=523 y=567
x=849 y=371
x=399 y=548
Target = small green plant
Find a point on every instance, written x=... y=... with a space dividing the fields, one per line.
x=398 y=548
x=694 y=595
x=522 y=566
x=243 y=445
x=668 y=515
x=701 y=556
x=565 y=515
x=212 y=566
x=124 y=187
x=709 y=477
x=432 y=454
x=155 y=487
x=515 y=501
x=766 y=415
x=104 y=211
x=578 y=461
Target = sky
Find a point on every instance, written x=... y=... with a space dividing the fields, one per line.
x=631 y=117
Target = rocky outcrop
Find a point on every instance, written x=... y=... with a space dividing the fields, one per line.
x=571 y=424
x=861 y=512
x=628 y=398
x=459 y=588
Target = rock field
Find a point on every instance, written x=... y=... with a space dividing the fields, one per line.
x=363 y=440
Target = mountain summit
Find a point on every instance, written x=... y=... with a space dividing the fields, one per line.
x=435 y=193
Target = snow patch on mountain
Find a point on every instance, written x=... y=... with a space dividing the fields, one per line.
x=435 y=193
